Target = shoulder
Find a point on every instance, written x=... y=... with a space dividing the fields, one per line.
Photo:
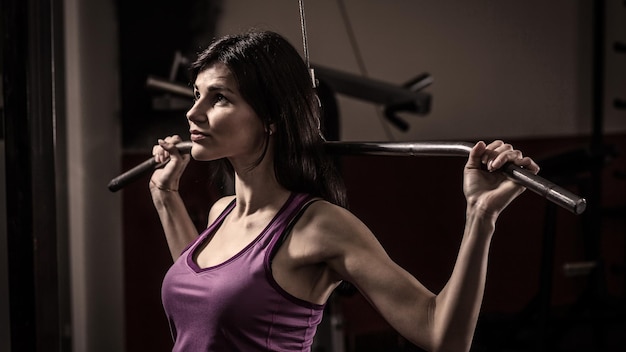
x=328 y=218
x=218 y=207
x=335 y=236
x=331 y=230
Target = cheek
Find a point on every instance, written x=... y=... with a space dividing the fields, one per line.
x=252 y=138
x=240 y=131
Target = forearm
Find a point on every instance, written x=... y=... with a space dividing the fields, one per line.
x=177 y=225
x=458 y=304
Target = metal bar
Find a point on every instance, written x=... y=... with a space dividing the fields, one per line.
x=400 y=148
x=138 y=171
x=368 y=89
x=170 y=87
x=535 y=183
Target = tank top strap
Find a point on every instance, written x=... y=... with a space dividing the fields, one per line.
x=224 y=212
x=297 y=208
x=211 y=227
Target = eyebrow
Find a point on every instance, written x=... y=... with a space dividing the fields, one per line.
x=215 y=87
x=218 y=87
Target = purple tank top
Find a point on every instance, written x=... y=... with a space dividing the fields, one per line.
x=237 y=305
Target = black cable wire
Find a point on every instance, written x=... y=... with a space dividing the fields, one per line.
x=359 y=59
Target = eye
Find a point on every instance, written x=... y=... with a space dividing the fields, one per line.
x=196 y=95
x=219 y=99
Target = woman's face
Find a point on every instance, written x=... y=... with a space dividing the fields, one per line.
x=221 y=123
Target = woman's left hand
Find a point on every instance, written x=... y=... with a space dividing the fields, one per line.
x=489 y=191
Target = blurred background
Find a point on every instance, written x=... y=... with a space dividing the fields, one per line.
x=81 y=266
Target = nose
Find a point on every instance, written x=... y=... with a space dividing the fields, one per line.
x=196 y=115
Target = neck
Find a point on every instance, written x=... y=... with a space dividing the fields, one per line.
x=258 y=189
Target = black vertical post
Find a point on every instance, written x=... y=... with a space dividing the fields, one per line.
x=27 y=48
x=592 y=220
x=598 y=73
x=544 y=298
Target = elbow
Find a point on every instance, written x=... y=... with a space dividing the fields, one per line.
x=450 y=341
x=444 y=336
x=441 y=332
x=450 y=344
x=451 y=347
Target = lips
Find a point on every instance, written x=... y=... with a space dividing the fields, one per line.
x=197 y=135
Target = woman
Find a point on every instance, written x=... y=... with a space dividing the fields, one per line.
x=258 y=277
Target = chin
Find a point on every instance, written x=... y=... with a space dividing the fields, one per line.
x=197 y=154
x=200 y=154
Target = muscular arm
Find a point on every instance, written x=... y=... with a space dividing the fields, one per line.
x=457 y=306
x=436 y=322
x=441 y=322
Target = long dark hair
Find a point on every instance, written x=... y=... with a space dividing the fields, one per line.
x=275 y=81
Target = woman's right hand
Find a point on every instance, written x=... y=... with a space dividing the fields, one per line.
x=166 y=178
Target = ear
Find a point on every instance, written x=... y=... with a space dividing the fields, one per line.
x=271 y=128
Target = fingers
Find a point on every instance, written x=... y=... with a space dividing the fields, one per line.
x=498 y=153
x=166 y=148
x=475 y=157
